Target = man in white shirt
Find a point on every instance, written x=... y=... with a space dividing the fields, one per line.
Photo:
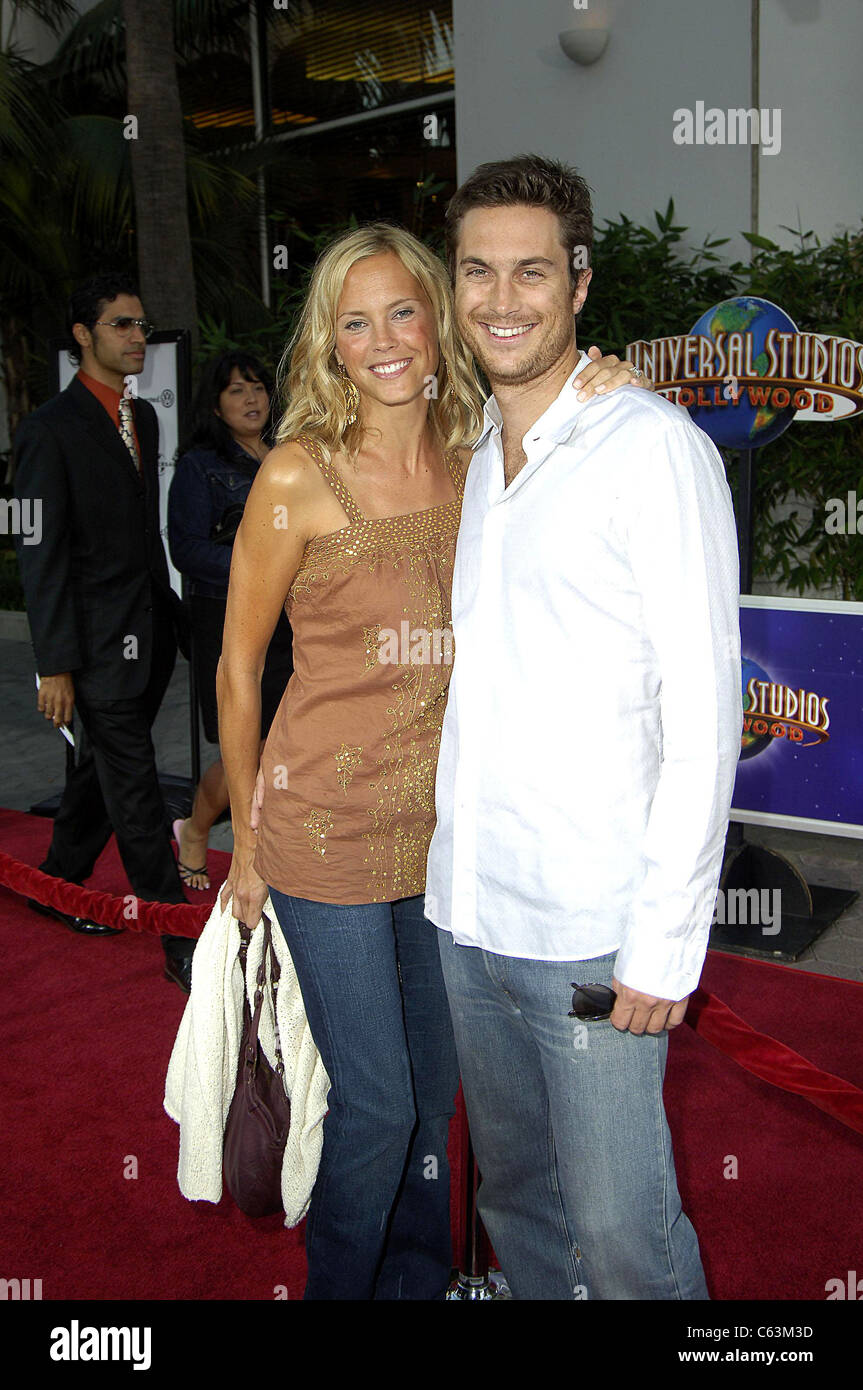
x=587 y=760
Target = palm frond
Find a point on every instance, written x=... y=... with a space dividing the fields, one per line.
x=212 y=184
x=54 y=14
x=27 y=109
x=200 y=26
x=94 y=46
x=34 y=250
x=97 y=171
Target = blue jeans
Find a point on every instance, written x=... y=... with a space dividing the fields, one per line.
x=379 y=1220
x=578 y=1191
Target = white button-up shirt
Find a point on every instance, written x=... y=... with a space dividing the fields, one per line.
x=593 y=726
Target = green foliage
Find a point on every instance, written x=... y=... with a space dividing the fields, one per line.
x=821 y=288
x=646 y=285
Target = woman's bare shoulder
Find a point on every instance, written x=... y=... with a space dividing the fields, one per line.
x=290 y=467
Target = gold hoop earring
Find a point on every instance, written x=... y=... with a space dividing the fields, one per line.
x=352 y=395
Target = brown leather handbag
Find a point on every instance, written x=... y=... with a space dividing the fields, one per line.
x=256 y=1129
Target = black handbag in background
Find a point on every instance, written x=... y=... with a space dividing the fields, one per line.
x=256 y=1130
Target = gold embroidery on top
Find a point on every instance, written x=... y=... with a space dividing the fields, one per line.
x=299 y=586
x=317 y=825
x=348 y=759
x=413 y=558
x=403 y=818
x=372 y=638
x=410 y=852
x=377 y=542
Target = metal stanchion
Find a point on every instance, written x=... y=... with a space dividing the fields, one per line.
x=473 y=1282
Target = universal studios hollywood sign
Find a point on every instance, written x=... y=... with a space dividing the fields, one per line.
x=745 y=371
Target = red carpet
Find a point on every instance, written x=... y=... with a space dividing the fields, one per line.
x=87 y=1030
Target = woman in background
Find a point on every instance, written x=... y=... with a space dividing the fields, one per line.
x=213 y=477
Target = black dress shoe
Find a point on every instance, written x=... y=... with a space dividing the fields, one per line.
x=83 y=925
x=179 y=969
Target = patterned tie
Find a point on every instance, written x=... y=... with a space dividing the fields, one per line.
x=126 y=430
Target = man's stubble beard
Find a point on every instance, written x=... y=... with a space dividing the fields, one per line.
x=545 y=356
x=103 y=351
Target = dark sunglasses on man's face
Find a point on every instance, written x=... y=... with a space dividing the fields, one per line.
x=123 y=324
x=592 y=1002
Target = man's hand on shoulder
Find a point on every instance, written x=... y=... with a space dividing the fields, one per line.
x=635 y=1012
x=606 y=374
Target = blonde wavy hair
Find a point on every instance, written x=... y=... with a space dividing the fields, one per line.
x=308 y=380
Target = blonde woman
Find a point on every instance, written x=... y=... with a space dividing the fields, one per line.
x=351 y=524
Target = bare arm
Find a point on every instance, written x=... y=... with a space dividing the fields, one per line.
x=277 y=523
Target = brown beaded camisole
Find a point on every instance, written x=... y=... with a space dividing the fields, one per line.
x=350 y=760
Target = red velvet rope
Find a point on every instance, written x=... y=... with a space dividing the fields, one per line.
x=135 y=914
x=712 y=1020
x=773 y=1061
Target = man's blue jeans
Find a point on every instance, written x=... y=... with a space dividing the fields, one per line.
x=578 y=1191
x=379 y=1221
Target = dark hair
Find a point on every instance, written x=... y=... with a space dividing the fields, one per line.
x=89 y=299
x=207 y=430
x=533 y=181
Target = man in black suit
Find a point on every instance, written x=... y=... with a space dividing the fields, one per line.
x=102 y=612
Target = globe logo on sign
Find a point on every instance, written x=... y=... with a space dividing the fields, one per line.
x=745 y=372
x=751 y=744
x=757 y=418
x=776 y=712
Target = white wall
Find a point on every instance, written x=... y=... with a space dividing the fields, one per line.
x=812 y=67
x=517 y=92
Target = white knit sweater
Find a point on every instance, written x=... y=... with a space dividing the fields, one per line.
x=202 y=1071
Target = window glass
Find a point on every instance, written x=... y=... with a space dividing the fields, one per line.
x=331 y=58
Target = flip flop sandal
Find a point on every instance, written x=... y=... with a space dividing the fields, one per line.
x=186 y=873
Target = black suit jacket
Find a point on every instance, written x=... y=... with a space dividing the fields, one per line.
x=96 y=584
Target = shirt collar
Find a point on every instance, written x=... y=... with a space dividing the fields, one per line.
x=554 y=424
x=105 y=395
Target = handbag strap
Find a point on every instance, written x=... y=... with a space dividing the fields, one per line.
x=275 y=976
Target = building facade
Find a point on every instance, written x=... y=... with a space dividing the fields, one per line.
x=613 y=116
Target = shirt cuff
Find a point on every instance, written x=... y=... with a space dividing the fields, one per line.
x=669 y=969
